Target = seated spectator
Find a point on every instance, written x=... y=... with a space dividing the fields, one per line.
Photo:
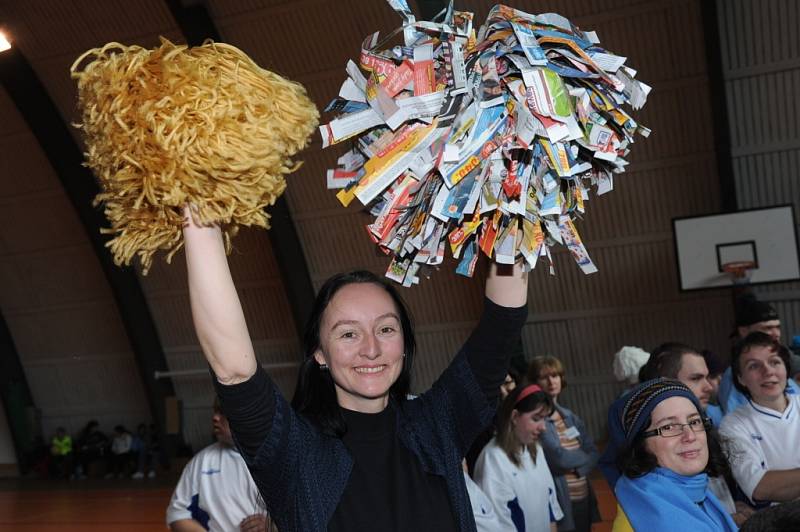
x=764 y=432
x=517 y=368
x=569 y=449
x=512 y=470
x=715 y=369
x=486 y=519
x=681 y=362
x=673 y=360
x=794 y=361
x=670 y=452
x=61 y=454
x=92 y=446
x=627 y=363
x=121 y=454
x=145 y=456
x=752 y=316
x=215 y=491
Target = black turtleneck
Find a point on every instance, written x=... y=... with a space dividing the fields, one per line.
x=388 y=490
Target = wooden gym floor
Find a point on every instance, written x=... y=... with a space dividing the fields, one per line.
x=94 y=505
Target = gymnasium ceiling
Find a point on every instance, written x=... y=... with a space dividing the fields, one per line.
x=69 y=323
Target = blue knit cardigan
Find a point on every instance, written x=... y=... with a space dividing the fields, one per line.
x=302 y=473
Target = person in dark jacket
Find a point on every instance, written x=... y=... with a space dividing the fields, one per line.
x=352 y=452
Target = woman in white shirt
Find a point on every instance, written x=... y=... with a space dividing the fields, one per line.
x=512 y=470
x=763 y=433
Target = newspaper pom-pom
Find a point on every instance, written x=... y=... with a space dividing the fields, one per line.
x=174 y=126
x=486 y=142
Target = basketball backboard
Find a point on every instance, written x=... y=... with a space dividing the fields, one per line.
x=767 y=237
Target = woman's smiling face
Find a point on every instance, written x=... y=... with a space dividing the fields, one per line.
x=685 y=454
x=361 y=341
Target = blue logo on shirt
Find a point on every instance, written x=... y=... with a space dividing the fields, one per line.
x=210 y=471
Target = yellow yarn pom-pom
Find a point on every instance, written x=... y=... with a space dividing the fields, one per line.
x=174 y=126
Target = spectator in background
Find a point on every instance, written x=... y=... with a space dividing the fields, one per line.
x=512 y=470
x=486 y=519
x=627 y=363
x=92 y=445
x=794 y=360
x=215 y=491
x=145 y=455
x=570 y=450
x=715 y=369
x=516 y=374
x=763 y=434
x=752 y=315
x=61 y=454
x=121 y=452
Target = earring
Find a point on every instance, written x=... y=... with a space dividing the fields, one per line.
x=323 y=367
x=404 y=355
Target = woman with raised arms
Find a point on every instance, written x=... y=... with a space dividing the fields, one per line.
x=353 y=452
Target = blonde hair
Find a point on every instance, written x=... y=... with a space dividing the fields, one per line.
x=173 y=126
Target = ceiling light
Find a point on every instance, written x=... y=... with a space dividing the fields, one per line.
x=4 y=44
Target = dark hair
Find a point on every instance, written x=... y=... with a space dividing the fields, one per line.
x=756 y=339
x=505 y=437
x=714 y=363
x=315 y=393
x=635 y=460
x=665 y=361
x=543 y=362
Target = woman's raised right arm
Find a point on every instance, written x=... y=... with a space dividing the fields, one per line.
x=245 y=392
x=216 y=310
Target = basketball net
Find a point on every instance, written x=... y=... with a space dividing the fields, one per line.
x=739 y=271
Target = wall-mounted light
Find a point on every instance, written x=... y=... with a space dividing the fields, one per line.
x=4 y=43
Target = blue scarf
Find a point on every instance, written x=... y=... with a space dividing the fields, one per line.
x=663 y=500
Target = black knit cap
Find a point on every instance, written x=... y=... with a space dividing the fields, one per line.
x=750 y=310
x=641 y=401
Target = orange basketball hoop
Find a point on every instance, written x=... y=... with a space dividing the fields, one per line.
x=739 y=271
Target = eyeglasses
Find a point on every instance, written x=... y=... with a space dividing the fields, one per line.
x=672 y=430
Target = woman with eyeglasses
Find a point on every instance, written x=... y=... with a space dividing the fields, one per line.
x=670 y=452
x=512 y=470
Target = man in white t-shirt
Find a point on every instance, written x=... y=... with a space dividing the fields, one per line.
x=216 y=492
x=763 y=433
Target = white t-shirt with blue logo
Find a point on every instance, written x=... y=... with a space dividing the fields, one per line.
x=760 y=440
x=215 y=490
x=524 y=498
